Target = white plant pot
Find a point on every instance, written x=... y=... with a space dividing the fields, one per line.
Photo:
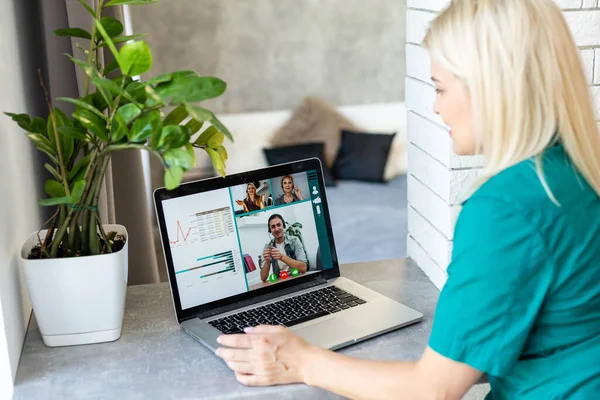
x=77 y=300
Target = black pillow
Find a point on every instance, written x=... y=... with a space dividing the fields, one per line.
x=362 y=156
x=284 y=154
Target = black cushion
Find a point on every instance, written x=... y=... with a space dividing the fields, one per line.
x=285 y=154
x=362 y=156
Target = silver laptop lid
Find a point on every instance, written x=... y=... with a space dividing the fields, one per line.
x=216 y=235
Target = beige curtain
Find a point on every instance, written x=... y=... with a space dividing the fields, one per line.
x=125 y=197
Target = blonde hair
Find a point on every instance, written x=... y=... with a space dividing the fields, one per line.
x=520 y=64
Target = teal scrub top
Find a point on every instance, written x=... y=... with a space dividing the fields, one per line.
x=522 y=299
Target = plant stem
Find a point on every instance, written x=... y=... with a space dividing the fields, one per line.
x=58 y=149
x=103 y=233
x=94 y=244
x=62 y=230
x=86 y=87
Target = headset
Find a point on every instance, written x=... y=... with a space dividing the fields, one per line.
x=272 y=217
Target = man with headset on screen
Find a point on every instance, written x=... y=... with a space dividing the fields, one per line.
x=283 y=252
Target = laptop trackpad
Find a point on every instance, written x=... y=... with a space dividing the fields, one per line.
x=332 y=331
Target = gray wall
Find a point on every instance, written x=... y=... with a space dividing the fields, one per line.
x=272 y=53
x=23 y=53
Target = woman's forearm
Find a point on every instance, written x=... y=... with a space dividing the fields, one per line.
x=363 y=379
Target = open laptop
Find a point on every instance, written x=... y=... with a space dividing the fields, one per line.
x=233 y=262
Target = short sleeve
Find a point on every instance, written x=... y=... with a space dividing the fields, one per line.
x=497 y=282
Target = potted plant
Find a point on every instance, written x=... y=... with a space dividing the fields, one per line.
x=76 y=269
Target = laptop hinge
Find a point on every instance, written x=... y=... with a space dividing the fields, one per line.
x=259 y=299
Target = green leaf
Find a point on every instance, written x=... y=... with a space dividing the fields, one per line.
x=23 y=120
x=137 y=90
x=53 y=171
x=72 y=132
x=38 y=125
x=112 y=26
x=202 y=114
x=113 y=87
x=136 y=58
x=144 y=126
x=125 y=114
x=176 y=116
x=74 y=32
x=92 y=123
x=172 y=137
x=205 y=136
x=94 y=74
x=44 y=145
x=85 y=105
x=109 y=42
x=131 y=2
x=160 y=79
x=216 y=140
x=179 y=158
x=194 y=125
x=79 y=167
x=188 y=87
x=173 y=177
x=77 y=191
x=217 y=161
x=112 y=66
x=190 y=149
x=55 y=201
x=54 y=188
x=123 y=39
x=222 y=152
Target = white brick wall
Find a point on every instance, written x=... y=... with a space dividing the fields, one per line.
x=437 y=177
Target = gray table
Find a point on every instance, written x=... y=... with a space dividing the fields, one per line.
x=155 y=359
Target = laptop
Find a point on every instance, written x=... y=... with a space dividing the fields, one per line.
x=257 y=248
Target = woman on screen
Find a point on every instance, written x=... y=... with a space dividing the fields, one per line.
x=291 y=193
x=252 y=202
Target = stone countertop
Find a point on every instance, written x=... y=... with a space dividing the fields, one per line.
x=154 y=358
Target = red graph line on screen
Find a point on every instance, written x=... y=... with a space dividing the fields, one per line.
x=180 y=230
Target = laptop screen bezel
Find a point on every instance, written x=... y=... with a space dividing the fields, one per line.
x=205 y=185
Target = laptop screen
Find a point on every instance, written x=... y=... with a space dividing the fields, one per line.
x=249 y=236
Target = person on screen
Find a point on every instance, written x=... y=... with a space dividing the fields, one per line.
x=291 y=193
x=252 y=202
x=284 y=252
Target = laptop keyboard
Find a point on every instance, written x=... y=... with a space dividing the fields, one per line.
x=291 y=311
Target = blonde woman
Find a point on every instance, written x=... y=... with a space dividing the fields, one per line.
x=522 y=300
x=253 y=201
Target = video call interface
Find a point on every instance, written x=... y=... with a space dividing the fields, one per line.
x=233 y=240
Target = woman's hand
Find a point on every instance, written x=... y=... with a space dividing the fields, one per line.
x=298 y=193
x=239 y=203
x=267 y=355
